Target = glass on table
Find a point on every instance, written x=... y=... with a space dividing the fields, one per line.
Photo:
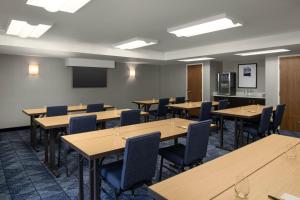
x=242 y=186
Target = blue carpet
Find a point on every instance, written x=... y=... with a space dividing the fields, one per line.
x=23 y=175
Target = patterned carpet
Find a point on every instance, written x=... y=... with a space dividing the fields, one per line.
x=23 y=175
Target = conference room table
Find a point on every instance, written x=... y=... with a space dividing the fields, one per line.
x=96 y=145
x=239 y=114
x=51 y=124
x=146 y=104
x=39 y=112
x=187 y=106
x=264 y=163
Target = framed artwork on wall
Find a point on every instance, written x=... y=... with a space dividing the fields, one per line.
x=247 y=75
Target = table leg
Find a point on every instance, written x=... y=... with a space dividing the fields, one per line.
x=46 y=145
x=97 y=186
x=173 y=112
x=236 y=133
x=33 y=139
x=52 y=166
x=221 y=132
x=80 y=174
x=91 y=178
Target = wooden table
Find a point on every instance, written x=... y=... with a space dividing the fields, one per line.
x=187 y=106
x=37 y=112
x=146 y=104
x=51 y=123
x=264 y=162
x=94 y=146
x=239 y=114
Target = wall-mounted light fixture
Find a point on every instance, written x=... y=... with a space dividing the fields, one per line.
x=131 y=72
x=33 y=69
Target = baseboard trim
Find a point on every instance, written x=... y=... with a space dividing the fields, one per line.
x=14 y=129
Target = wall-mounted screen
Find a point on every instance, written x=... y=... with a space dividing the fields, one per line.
x=89 y=77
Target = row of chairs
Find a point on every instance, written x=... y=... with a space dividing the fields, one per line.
x=162 y=109
x=139 y=164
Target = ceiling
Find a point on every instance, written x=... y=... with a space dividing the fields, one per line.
x=101 y=23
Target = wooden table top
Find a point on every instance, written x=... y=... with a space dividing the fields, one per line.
x=151 y=101
x=73 y=108
x=100 y=143
x=211 y=179
x=190 y=105
x=250 y=111
x=62 y=121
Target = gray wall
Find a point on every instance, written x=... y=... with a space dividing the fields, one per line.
x=272 y=80
x=232 y=66
x=54 y=87
x=215 y=68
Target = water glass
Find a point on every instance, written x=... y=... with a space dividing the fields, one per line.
x=242 y=187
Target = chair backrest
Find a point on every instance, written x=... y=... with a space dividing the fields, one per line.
x=140 y=159
x=205 y=111
x=223 y=104
x=53 y=111
x=95 y=108
x=265 y=118
x=162 y=108
x=82 y=124
x=197 y=142
x=179 y=99
x=130 y=117
x=278 y=115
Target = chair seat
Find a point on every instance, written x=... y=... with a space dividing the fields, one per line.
x=174 y=153
x=112 y=172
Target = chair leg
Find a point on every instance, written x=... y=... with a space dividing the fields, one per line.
x=161 y=168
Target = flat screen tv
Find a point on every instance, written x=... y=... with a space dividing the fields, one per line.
x=89 y=77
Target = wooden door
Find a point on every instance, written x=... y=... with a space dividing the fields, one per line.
x=290 y=92
x=194 y=87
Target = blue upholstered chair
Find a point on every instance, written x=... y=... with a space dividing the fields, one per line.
x=95 y=108
x=137 y=168
x=190 y=154
x=223 y=104
x=179 y=99
x=260 y=129
x=79 y=125
x=130 y=117
x=53 y=111
x=178 y=111
x=162 y=109
x=277 y=118
x=205 y=111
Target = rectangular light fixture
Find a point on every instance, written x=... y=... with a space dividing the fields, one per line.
x=70 y=6
x=262 y=52
x=196 y=59
x=25 y=30
x=212 y=24
x=135 y=43
x=33 y=69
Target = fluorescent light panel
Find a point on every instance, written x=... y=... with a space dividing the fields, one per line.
x=135 y=43
x=262 y=52
x=196 y=59
x=70 y=6
x=25 y=30
x=217 y=23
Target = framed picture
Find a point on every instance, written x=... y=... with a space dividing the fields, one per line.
x=247 y=75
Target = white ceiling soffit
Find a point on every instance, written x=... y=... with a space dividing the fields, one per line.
x=80 y=62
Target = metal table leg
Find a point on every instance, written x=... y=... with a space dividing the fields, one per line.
x=33 y=139
x=236 y=133
x=221 y=146
x=80 y=174
x=46 y=145
x=91 y=178
x=52 y=166
x=97 y=186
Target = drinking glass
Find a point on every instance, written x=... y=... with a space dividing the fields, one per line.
x=242 y=187
x=291 y=153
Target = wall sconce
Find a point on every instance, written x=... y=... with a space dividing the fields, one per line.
x=33 y=69
x=132 y=72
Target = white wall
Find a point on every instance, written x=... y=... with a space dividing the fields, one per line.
x=54 y=87
x=232 y=66
x=272 y=80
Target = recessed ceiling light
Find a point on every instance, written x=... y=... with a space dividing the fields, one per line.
x=212 y=24
x=196 y=59
x=262 y=52
x=135 y=43
x=25 y=30
x=70 y=6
